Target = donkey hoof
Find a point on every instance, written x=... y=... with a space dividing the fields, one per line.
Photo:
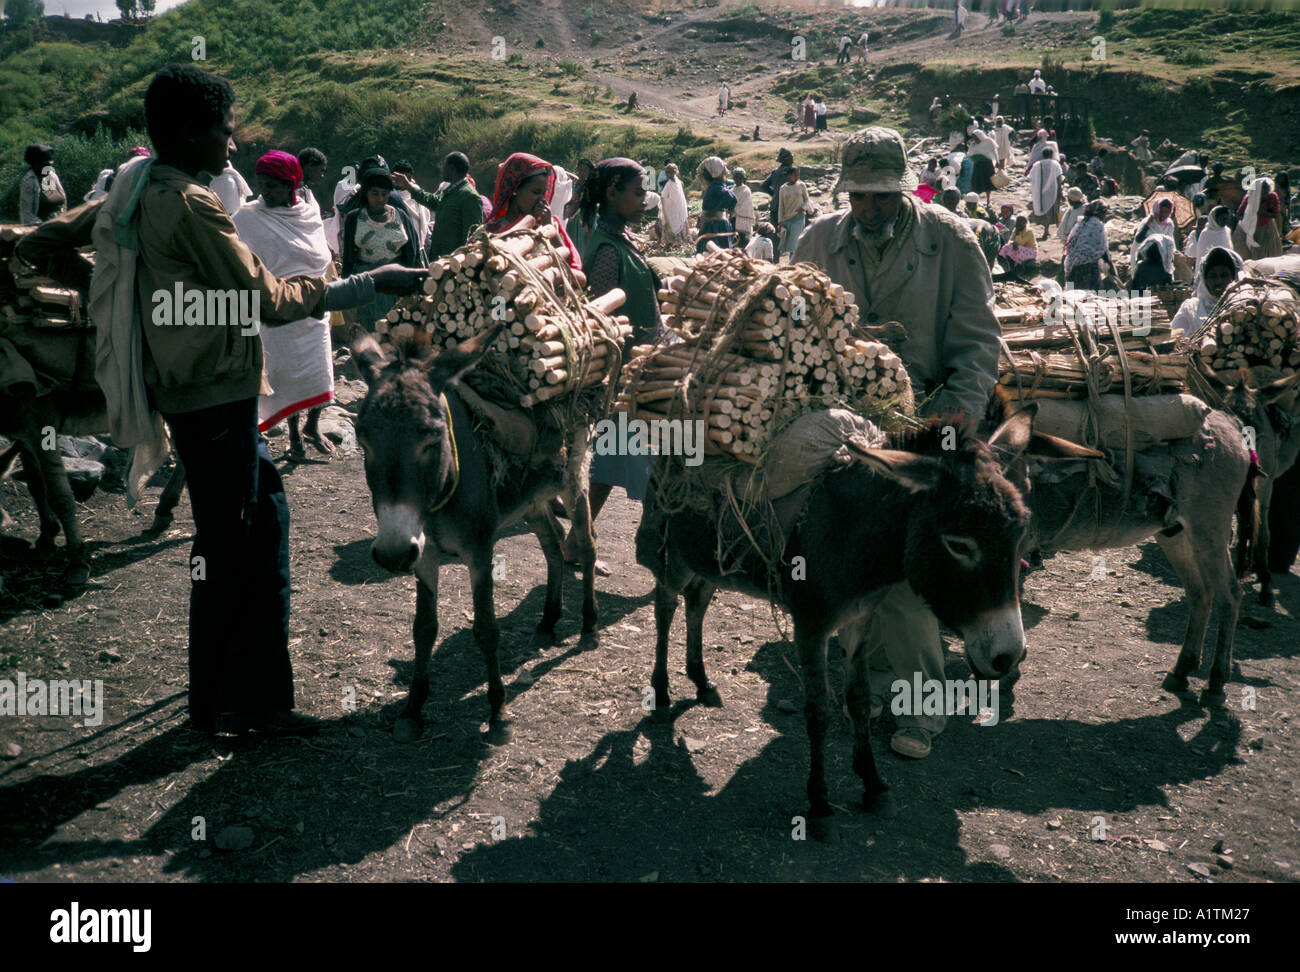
x=662 y=713
x=498 y=733
x=43 y=551
x=824 y=830
x=1174 y=683
x=161 y=523
x=1213 y=698
x=406 y=729
x=543 y=637
x=77 y=574
x=708 y=696
x=883 y=804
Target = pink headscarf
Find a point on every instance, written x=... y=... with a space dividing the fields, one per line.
x=280 y=165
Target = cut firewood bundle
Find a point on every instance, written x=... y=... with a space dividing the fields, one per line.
x=1073 y=344
x=1255 y=324
x=751 y=345
x=554 y=342
x=27 y=297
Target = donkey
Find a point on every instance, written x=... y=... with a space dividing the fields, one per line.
x=25 y=418
x=1209 y=481
x=434 y=499
x=1269 y=415
x=945 y=520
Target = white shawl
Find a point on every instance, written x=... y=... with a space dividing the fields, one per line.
x=1045 y=185
x=290 y=240
x=674 y=206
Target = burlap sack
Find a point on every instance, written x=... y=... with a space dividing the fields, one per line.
x=1156 y=419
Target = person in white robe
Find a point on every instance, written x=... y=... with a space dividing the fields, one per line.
x=674 y=204
x=100 y=189
x=231 y=188
x=287 y=235
x=1002 y=133
x=1214 y=233
x=1045 y=182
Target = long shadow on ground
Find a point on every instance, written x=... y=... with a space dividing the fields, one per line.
x=625 y=816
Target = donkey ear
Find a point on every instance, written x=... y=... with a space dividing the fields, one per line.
x=907 y=469
x=450 y=365
x=370 y=357
x=1051 y=447
x=1011 y=438
x=1277 y=392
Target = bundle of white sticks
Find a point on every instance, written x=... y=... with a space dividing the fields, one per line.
x=753 y=344
x=555 y=341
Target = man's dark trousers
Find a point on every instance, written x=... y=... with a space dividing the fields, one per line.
x=239 y=589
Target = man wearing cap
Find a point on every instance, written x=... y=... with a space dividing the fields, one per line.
x=919 y=265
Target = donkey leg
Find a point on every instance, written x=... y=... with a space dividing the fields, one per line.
x=168 y=501
x=665 y=608
x=410 y=723
x=1187 y=562
x=487 y=633
x=583 y=531
x=550 y=536
x=817 y=714
x=36 y=487
x=698 y=595
x=876 y=796
x=1264 y=488
x=59 y=496
x=1227 y=599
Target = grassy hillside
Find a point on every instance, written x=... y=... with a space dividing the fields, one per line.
x=313 y=72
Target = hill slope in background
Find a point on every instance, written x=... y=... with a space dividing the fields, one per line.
x=415 y=80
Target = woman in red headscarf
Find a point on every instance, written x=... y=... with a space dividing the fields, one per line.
x=286 y=233
x=525 y=185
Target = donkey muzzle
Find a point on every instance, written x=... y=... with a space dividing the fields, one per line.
x=995 y=642
x=400 y=540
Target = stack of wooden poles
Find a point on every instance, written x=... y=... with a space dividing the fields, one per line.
x=750 y=344
x=555 y=341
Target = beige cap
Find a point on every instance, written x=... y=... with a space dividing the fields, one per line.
x=875 y=160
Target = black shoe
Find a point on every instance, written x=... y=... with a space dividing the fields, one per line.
x=285 y=723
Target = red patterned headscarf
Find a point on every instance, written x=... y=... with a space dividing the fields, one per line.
x=512 y=174
x=280 y=165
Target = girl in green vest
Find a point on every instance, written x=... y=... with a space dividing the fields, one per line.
x=613 y=200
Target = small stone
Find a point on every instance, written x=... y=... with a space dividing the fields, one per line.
x=1217 y=848
x=11 y=750
x=1001 y=851
x=1198 y=868
x=1257 y=743
x=1225 y=861
x=110 y=655
x=235 y=838
x=1054 y=823
x=1157 y=845
x=785 y=705
x=693 y=745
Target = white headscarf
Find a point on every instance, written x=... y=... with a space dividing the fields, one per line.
x=1258 y=189
x=1209 y=237
x=674 y=206
x=714 y=166
x=1166 y=246
x=100 y=189
x=1194 y=310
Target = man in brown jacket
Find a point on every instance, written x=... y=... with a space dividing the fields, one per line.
x=202 y=297
x=921 y=266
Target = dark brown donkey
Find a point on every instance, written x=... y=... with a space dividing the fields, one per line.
x=946 y=521
x=434 y=498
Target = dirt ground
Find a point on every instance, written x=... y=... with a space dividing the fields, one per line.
x=1099 y=775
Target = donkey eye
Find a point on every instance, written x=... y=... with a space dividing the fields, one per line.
x=964 y=550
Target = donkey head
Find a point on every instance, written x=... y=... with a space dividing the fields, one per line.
x=964 y=535
x=403 y=429
x=1269 y=415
